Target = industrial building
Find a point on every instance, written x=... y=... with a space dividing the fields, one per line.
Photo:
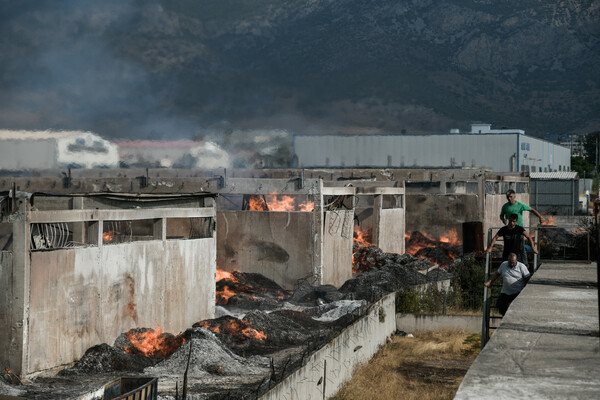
x=172 y=153
x=23 y=150
x=502 y=150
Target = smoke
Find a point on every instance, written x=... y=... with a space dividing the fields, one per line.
x=61 y=70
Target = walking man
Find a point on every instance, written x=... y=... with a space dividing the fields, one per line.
x=512 y=234
x=514 y=278
x=512 y=206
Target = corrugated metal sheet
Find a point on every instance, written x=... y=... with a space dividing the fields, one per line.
x=500 y=152
x=560 y=175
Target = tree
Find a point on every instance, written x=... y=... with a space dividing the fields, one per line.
x=581 y=166
x=592 y=141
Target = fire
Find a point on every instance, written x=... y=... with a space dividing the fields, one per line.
x=360 y=237
x=451 y=237
x=549 y=221
x=224 y=292
x=153 y=343
x=274 y=202
x=108 y=236
x=221 y=274
x=440 y=252
x=8 y=371
x=232 y=326
x=359 y=263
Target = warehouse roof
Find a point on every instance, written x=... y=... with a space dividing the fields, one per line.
x=561 y=175
x=6 y=134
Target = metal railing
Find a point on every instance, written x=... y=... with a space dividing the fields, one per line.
x=537 y=261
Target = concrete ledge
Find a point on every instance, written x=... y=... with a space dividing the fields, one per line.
x=353 y=347
x=547 y=345
x=428 y=322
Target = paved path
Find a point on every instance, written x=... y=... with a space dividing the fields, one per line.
x=547 y=346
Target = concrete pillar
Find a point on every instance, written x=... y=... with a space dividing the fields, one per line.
x=94 y=233
x=17 y=356
x=377 y=207
x=160 y=229
x=318 y=218
x=78 y=227
x=442 y=186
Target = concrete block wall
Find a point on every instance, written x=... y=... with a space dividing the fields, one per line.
x=335 y=363
x=63 y=301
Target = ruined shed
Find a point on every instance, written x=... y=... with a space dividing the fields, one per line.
x=74 y=278
x=288 y=245
x=379 y=213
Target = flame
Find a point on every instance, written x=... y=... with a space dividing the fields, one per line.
x=108 y=236
x=451 y=237
x=8 y=371
x=153 y=343
x=274 y=202
x=233 y=326
x=360 y=237
x=221 y=274
x=422 y=245
x=360 y=263
x=549 y=221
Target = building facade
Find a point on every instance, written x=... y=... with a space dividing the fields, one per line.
x=502 y=150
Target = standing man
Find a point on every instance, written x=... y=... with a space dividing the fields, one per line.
x=512 y=206
x=513 y=235
x=514 y=278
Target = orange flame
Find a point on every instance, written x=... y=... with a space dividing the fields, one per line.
x=153 y=343
x=360 y=237
x=8 y=371
x=276 y=202
x=233 y=326
x=108 y=236
x=450 y=238
x=549 y=221
x=221 y=274
x=419 y=241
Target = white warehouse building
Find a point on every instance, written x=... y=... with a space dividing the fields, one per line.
x=502 y=150
x=23 y=150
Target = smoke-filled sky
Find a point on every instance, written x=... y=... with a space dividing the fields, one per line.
x=61 y=71
x=176 y=69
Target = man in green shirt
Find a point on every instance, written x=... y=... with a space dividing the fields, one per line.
x=512 y=206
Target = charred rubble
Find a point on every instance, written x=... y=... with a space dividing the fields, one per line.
x=262 y=333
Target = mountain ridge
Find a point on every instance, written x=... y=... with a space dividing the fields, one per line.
x=306 y=66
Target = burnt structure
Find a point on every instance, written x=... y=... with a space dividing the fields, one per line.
x=79 y=270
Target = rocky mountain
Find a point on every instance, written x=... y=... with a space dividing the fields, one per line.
x=176 y=68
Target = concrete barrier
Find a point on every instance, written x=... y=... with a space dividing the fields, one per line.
x=428 y=322
x=326 y=370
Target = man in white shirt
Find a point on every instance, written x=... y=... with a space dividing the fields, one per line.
x=515 y=276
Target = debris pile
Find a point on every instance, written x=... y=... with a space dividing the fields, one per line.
x=263 y=332
x=441 y=252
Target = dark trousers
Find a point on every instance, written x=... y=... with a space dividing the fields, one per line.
x=504 y=301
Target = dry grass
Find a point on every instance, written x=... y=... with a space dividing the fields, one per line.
x=429 y=366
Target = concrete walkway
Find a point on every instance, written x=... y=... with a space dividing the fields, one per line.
x=547 y=346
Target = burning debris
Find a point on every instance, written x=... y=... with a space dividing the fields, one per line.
x=208 y=356
x=152 y=343
x=275 y=202
x=248 y=290
x=441 y=252
x=243 y=353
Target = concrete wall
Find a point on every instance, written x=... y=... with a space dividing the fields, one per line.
x=6 y=294
x=278 y=245
x=428 y=322
x=436 y=214
x=391 y=230
x=337 y=247
x=86 y=296
x=335 y=362
x=283 y=245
